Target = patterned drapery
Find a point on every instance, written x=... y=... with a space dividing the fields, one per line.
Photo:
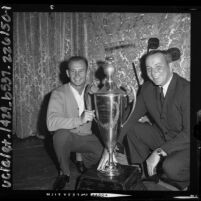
x=43 y=40
x=132 y=31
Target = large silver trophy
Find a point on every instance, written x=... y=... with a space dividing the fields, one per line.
x=109 y=110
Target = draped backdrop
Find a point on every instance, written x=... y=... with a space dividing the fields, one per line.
x=43 y=40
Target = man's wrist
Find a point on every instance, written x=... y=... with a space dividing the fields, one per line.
x=80 y=121
x=161 y=152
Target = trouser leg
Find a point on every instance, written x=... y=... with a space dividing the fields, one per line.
x=176 y=168
x=90 y=147
x=62 y=140
x=66 y=142
x=142 y=140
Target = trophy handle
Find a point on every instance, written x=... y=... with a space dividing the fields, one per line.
x=133 y=106
x=96 y=120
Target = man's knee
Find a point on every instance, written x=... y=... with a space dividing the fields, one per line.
x=61 y=136
x=137 y=128
x=132 y=129
x=94 y=153
x=176 y=169
x=97 y=147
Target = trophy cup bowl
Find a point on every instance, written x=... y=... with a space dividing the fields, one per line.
x=109 y=111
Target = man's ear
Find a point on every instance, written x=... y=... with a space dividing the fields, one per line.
x=171 y=66
x=67 y=73
x=88 y=73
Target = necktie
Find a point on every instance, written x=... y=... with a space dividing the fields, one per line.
x=162 y=97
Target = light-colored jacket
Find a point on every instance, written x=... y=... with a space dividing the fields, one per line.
x=63 y=112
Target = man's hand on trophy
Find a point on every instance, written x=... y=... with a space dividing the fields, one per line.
x=87 y=115
x=119 y=148
x=105 y=160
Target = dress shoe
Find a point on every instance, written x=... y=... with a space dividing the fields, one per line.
x=154 y=178
x=80 y=166
x=60 y=182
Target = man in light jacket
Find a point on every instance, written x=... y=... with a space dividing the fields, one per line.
x=70 y=121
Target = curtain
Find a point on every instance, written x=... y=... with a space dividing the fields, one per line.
x=41 y=42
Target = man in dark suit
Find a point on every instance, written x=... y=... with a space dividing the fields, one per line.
x=166 y=98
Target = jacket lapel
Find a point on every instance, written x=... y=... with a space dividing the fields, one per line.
x=170 y=92
x=72 y=99
x=87 y=100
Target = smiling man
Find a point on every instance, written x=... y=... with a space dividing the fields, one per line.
x=70 y=121
x=166 y=98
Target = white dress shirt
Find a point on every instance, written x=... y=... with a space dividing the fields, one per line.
x=79 y=99
x=165 y=87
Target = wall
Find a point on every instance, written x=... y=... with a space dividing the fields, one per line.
x=112 y=29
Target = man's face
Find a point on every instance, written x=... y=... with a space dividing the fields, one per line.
x=77 y=73
x=158 y=69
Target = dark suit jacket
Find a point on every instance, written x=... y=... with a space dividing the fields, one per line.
x=173 y=120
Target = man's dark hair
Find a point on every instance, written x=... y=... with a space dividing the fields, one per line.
x=77 y=58
x=172 y=54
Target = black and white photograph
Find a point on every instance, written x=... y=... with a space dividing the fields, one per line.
x=100 y=103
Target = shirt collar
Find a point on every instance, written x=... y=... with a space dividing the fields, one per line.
x=79 y=99
x=165 y=87
x=75 y=90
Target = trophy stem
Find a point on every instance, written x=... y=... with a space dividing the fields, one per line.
x=111 y=169
x=108 y=106
x=111 y=162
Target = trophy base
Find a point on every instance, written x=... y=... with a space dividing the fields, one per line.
x=111 y=171
x=128 y=179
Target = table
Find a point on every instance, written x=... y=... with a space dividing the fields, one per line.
x=129 y=179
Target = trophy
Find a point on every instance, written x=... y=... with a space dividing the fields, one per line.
x=109 y=110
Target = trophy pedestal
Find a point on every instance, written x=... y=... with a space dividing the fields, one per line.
x=129 y=179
